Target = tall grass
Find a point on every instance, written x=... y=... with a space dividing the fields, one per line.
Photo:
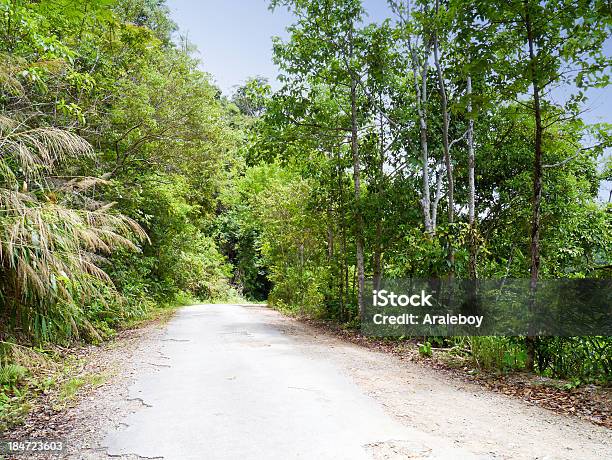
x=53 y=236
x=504 y=353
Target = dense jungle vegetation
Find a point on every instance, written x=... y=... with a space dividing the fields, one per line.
x=434 y=144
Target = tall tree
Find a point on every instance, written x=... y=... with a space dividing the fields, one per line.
x=418 y=43
x=547 y=44
x=325 y=47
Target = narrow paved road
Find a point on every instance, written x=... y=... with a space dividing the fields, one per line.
x=236 y=382
x=237 y=387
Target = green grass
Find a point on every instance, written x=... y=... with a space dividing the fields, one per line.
x=72 y=387
x=12 y=374
x=14 y=407
x=496 y=353
x=28 y=373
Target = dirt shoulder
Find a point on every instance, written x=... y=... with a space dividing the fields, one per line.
x=444 y=401
x=592 y=403
x=107 y=371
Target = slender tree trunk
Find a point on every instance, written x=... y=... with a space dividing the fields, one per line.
x=342 y=220
x=359 y=241
x=331 y=227
x=447 y=155
x=378 y=246
x=537 y=182
x=426 y=199
x=330 y=210
x=377 y=259
x=358 y=214
x=472 y=185
x=330 y=238
x=420 y=73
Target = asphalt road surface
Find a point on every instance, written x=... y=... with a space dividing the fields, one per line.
x=243 y=382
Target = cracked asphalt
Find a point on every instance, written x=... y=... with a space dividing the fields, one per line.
x=237 y=387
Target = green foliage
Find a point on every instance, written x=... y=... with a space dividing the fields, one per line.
x=425 y=349
x=127 y=181
x=589 y=358
x=11 y=375
x=505 y=353
x=51 y=242
x=582 y=359
x=288 y=235
x=366 y=101
x=109 y=187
